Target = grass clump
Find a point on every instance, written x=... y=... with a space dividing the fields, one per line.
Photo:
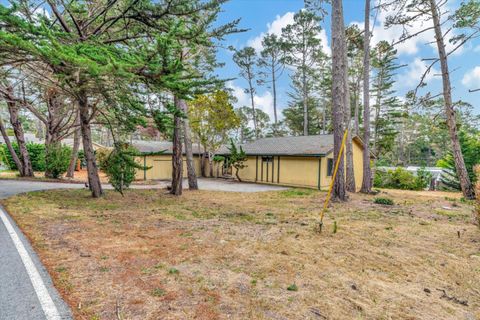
x=292 y=193
x=158 y=292
x=292 y=287
x=173 y=271
x=384 y=201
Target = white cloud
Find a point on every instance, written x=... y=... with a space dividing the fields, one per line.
x=276 y=27
x=263 y=102
x=471 y=79
x=414 y=73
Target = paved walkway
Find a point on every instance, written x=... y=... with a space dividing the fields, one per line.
x=26 y=290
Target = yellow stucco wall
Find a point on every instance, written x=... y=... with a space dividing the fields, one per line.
x=298 y=171
x=161 y=167
x=357 y=167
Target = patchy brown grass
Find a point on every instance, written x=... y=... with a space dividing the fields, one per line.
x=214 y=255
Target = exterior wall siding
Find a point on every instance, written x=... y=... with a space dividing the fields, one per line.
x=161 y=167
x=297 y=171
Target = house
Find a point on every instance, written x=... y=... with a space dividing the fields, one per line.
x=301 y=161
x=157 y=155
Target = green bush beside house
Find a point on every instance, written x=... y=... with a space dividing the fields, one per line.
x=402 y=179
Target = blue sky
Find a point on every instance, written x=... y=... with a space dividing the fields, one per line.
x=261 y=16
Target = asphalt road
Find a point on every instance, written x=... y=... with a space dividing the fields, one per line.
x=26 y=290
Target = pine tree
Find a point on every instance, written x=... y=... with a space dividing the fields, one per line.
x=272 y=60
x=387 y=107
x=246 y=60
x=303 y=48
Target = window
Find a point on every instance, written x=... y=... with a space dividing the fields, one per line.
x=329 y=167
x=267 y=159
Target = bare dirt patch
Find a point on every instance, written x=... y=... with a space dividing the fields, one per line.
x=214 y=255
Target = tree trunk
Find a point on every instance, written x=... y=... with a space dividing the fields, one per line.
x=347 y=114
x=17 y=161
x=254 y=114
x=237 y=175
x=465 y=183
x=305 y=104
x=94 y=182
x=203 y=164
x=210 y=164
x=187 y=139
x=74 y=156
x=177 y=161
x=367 y=172
x=274 y=88
x=357 y=107
x=339 y=65
x=350 y=172
x=14 y=110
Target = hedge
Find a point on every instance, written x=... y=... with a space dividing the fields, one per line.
x=35 y=150
x=402 y=179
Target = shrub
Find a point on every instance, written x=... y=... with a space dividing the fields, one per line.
x=402 y=179
x=101 y=155
x=292 y=287
x=119 y=165
x=237 y=158
x=384 y=201
x=57 y=160
x=36 y=152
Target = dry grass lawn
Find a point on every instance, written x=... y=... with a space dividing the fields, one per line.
x=214 y=255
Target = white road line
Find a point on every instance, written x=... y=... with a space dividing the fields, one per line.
x=49 y=308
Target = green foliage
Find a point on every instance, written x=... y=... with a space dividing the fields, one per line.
x=387 y=107
x=292 y=287
x=401 y=179
x=245 y=115
x=236 y=158
x=57 y=159
x=423 y=177
x=470 y=145
x=36 y=152
x=295 y=192
x=120 y=166
x=384 y=201
x=303 y=48
x=212 y=118
x=173 y=271
x=158 y=292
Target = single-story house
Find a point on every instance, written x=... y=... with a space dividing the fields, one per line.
x=301 y=161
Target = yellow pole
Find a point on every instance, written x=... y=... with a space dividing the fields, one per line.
x=327 y=200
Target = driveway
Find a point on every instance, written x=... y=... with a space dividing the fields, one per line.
x=26 y=290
